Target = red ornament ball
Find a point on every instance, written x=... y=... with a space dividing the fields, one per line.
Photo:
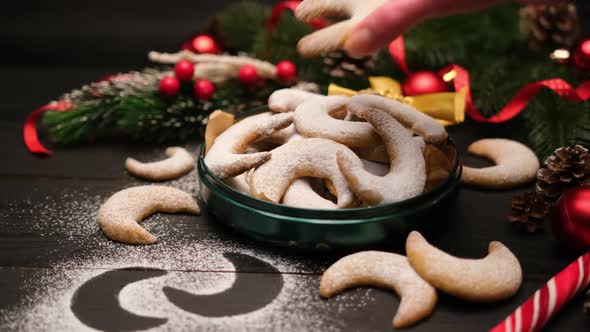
x=169 y=86
x=184 y=70
x=203 y=89
x=570 y=219
x=248 y=75
x=205 y=44
x=423 y=82
x=286 y=71
x=581 y=56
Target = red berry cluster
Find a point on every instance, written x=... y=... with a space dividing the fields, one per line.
x=203 y=89
x=183 y=73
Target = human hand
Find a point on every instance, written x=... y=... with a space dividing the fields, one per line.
x=396 y=16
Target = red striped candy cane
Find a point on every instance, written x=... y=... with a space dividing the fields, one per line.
x=548 y=300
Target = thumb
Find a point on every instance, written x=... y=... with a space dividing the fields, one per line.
x=384 y=25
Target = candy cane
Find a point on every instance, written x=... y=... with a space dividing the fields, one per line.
x=548 y=300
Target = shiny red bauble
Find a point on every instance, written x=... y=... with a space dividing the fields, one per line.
x=581 y=56
x=248 y=75
x=184 y=70
x=570 y=219
x=205 y=44
x=203 y=89
x=286 y=71
x=423 y=82
x=169 y=86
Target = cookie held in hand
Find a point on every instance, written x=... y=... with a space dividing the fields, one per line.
x=331 y=38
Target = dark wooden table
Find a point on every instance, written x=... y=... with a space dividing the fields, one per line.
x=58 y=271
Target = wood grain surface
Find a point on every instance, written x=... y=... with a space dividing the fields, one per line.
x=47 y=206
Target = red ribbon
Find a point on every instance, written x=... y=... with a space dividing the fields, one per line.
x=279 y=9
x=462 y=81
x=30 y=134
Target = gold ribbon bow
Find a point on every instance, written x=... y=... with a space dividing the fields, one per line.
x=447 y=107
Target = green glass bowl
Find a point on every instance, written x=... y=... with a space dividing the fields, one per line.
x=323 y=229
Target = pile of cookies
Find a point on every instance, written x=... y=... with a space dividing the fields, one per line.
x=329 y=152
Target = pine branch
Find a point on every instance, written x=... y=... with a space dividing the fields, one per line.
x=130 y=106
x=238 y=24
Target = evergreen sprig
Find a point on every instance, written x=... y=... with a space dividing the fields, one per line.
x=489 y=44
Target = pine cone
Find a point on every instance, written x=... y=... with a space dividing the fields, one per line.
x=339 y=65
x=528 y=211
x=567 y=167
x=556 y=25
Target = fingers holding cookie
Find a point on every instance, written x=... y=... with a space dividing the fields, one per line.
x=387 y=270
x=516 y=164
x=312 y=119
x=331 y=38
x=312 y=157
x=496 y=277
x=225 y=160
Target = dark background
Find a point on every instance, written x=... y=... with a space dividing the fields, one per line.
x=50 y=48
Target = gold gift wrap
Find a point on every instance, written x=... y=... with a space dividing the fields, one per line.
x=447 y=107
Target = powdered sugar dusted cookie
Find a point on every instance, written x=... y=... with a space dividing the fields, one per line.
x=331 y=38
x=496 y=277
x=312 y=119
x=287 y=100
x=387 y=270
x=225 y=160
x=516 y=164
x=239 y=183
x=217 y=123
x=313 y=157
x=407 y=174
x=120 y=215
x=178 y=163
x=419 y=123
x=301 y=194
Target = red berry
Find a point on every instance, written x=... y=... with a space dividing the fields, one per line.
x=286 y=71
x=424 y=82
x=248 y=75
x=169 y=86
x=203 y=89
x=205 y=44
x=184 y=70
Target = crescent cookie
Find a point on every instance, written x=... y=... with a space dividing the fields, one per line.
x=496 y=277
x=301 y=194
x=120 y=215
x=516 y=164
x=331 y=38
x=407 y=173
x=419 y=123
x=312 y=119
x=386 y=270
x=224 y=159
x=178 y=163
x=313 y=157
x=287 y=100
